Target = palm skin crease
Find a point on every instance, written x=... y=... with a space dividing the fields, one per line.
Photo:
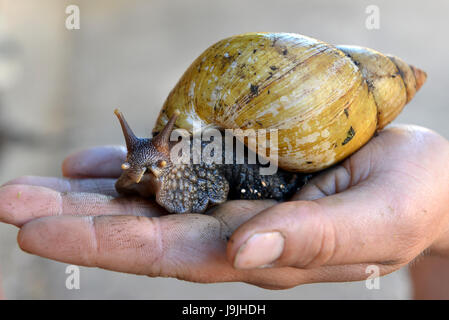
x=384 y=205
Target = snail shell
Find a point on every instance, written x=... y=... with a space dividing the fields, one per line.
x=326 y=101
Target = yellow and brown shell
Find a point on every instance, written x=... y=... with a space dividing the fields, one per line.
x=326 y=101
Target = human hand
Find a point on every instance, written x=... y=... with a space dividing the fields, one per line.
x=384 y=205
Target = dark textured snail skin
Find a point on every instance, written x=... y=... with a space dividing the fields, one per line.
x=192 y=188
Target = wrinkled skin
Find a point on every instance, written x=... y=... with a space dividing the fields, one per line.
x=384 y=205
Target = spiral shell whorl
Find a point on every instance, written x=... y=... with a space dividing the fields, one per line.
x=392 y=81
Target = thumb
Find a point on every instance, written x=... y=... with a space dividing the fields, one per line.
x=360 y=225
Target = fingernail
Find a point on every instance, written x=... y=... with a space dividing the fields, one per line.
x=260 y=250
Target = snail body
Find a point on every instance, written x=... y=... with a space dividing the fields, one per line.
x=150 y=171
x=324 y=101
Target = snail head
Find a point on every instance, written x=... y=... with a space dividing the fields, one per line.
x=145 y=155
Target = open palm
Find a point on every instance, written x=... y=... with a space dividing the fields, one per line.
x=384 y=205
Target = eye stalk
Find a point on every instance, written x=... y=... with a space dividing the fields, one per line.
x=162 y=140
x=130 y=138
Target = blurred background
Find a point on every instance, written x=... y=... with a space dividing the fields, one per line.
x=59 y=87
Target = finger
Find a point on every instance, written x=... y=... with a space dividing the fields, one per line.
x=186 y=245
x=98 y=162
x=189 y=247
x=233 y=213
x=171 y=245
x=330 y=182
x=341 y=177
x=99 y=185
x=21 y=203
x=287 y=277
